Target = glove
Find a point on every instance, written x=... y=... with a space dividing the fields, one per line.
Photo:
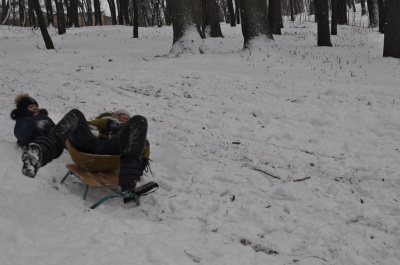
x=114 y=126
x=44 y=126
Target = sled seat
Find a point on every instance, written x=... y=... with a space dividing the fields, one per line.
x=96 y=180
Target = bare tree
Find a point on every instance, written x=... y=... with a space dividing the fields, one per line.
x=135 y=19
x=373 y=13
x=391 y=46
x=275 y=16
x=231 y=13
x=342 y=12
x=60 y=17
x=186 y=27
x=213 y=28
x=382 y=15
x=334 y=19
x=321 y=11
x=363 y=9
x=42 y=25
x=255 y=24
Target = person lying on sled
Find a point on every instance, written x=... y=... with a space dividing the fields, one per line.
x=127 y=139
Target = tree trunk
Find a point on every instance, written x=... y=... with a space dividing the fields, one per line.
x=49 y=12
x=255 y=22
x=97 y=13
x=291 y=10
x=382 y=15
x=342 y=12
x=135 y=19
x=237 y=6
x=42 y=25
x=111 y=6
x=363 y=10
x=21 y=5
x=334 y=21
x=31 y=12
x=60 y=17
x=89 y=12
x=275 y=16
x=167 y=13
x=213 y=28
x=186 y=28
x=231 y=13
x=391 y=46
x=322 y=13
x=373 y=13
x=312 y=8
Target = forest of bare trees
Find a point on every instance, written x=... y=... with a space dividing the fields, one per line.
x=202 y=18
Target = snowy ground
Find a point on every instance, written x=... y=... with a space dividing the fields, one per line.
x=284 y=157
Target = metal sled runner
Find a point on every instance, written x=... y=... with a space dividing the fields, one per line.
x=98 y=179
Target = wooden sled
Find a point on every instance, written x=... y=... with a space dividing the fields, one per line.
x=96 y=180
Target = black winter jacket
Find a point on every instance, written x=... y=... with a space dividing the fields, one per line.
x=28 y=127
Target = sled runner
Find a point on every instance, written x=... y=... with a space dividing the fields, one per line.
x=109 y=180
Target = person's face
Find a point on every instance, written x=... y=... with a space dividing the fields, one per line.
x=34 y=109
x=123 y=117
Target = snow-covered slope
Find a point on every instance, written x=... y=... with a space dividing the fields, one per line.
x=284 y=157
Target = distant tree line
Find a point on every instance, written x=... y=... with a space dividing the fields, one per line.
x=258 y=18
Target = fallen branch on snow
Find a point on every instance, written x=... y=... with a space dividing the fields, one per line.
x=269 y=174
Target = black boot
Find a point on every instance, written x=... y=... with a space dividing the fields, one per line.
x=42 y=151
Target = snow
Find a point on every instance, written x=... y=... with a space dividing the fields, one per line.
x=287 y=156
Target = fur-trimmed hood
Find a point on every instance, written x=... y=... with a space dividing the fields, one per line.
x=18 y=114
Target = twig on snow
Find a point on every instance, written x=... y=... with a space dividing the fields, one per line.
x=269 y=174
x=197 y=260
x=297 y=180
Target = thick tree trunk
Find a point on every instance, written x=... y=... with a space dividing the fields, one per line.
x=167 y=13
x=391 y=46
x=135 y=19
x=275 y=16
x=255 y=22
x=213 y=28
x=186 y=28
x=231 y=13
x=42 y=25
x=342 y=12
x=312 y=8
x=373 y=13
x=334 y=21
x=60 y=17
x=321 y=11
x=382 y=15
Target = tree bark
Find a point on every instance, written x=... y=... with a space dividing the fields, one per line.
x=97 y=13
x=111 y=6
x=342 y=12
x=42 y=25
x=237 y=6
x=275 y=16
x=213 y=28
x=255 y=22
x=231 y=13
x=21 y=5
x=334 y=21
x=291 y=10
x=373 y=13
x=186 y=28
x=391 y=47
x=60 y=17
x=135 y=19
x=89 y=12
x=363 y=9
x=49 y=12
x=31 y=13
x=382 y=15
x=321 y=11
